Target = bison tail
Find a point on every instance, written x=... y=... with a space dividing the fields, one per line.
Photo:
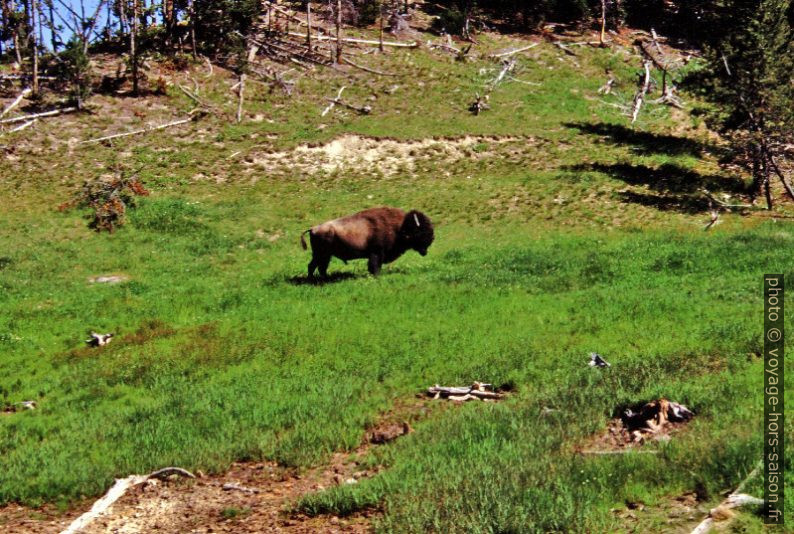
x=303 y=241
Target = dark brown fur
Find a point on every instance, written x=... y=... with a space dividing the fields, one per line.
x=381 y=235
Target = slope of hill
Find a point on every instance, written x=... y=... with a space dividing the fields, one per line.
x=561 y=230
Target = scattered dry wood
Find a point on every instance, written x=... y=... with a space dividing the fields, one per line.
x=194 y=116
x=513 y=52
x=51 y=113
x=477 y=391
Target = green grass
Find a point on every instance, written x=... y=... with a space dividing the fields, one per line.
x=581 y=235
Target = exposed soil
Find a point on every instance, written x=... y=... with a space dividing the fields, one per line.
x=203 y=505
x=353 y=152
x=257 y=501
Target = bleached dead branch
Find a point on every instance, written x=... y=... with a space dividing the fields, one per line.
x=117 y=491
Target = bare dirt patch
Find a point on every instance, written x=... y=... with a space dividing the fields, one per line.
x=387 y=156
x=250 y=497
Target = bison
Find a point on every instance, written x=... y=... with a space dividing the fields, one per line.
x=381 y=235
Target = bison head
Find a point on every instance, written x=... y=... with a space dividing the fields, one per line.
x=417 y=231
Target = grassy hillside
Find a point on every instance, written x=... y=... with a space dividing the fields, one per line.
x=561 y=230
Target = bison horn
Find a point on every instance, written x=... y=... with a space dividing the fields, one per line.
x=417 y=220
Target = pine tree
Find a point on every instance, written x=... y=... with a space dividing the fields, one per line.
x=751 y=79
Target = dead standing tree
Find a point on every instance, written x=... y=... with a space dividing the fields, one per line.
x=133 y=48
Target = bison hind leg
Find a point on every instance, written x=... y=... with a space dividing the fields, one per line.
x=322 y=265
x=374 y=264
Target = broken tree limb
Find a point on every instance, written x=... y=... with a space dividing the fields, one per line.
x=367 y=69
x=364 y=110
x=640 y=96
x=23 y=126
x=333 y=102
x=195 y=97
x=715 y=216
x=25 y=92
x=607 y=87
x=512 y=52
x=142 y=130
x=38 y=115
x=564 y=48
x=722 y=204
x=507 y=66
x=116 y=491
x=240 y=98
x=734 y=500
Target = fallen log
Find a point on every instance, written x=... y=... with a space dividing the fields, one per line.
x=25 y=92
x=14 y=77
x=413 y=44
x=734 y=500
x=23 y=126
x=640 y=96
x=117 y=491
x=38 y=115
x=512 y=52
x=142 y=130
x=364 y=110
x=333 y=102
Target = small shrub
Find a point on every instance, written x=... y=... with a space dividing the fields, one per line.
x=108 y=200
x=75 y=69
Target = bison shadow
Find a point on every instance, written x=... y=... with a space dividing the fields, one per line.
x=332 y=278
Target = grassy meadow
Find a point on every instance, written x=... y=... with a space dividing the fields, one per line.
x=579 y=233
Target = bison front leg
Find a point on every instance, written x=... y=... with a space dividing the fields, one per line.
x=375 y=261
